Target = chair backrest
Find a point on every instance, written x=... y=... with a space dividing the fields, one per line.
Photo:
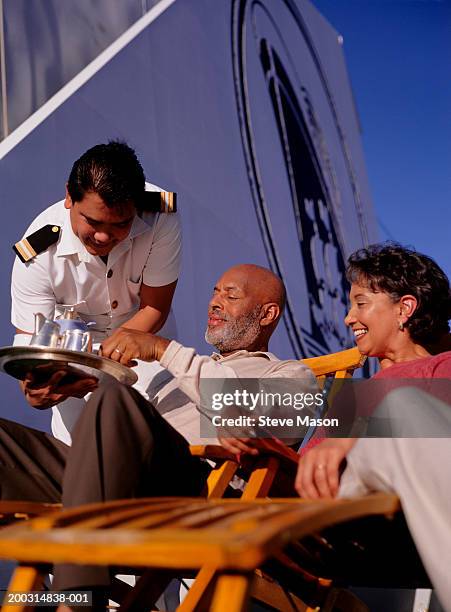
x=336 y=365
x=332 y=367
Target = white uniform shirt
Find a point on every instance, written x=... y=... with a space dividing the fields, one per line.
x=67 y=274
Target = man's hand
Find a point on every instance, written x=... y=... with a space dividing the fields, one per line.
x=318 y=470
x=57 y=388
x=238 y=446
x=125 y=345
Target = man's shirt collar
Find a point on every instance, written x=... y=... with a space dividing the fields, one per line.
x=241 y=353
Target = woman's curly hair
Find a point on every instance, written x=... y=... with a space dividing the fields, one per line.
x=398 y=271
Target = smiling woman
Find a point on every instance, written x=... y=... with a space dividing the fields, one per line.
x=400 y=306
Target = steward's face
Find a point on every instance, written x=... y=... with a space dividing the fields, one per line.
x=98 y=227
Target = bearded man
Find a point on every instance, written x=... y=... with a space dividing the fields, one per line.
x=244 y=310
x=122 y=447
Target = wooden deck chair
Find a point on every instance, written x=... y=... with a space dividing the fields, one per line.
x=276 y=458
x=224 y=540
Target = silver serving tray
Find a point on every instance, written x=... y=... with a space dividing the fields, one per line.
x=17 y=361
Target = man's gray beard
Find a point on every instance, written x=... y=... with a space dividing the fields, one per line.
x=235 y=334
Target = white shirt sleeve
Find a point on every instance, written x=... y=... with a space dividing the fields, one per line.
x=31 y=291
x=189 y=368
x=163 y=263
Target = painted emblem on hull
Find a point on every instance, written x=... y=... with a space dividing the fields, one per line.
x=292 y=176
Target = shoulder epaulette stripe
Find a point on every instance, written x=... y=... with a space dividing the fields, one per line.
x=37 y=242
x=26 y=250
x=160 y=201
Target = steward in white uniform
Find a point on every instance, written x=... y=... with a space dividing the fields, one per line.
x=109 y=287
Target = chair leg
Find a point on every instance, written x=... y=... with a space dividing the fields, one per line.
x=219 y=479
x=261 y=480
x=199 y=596
x=232 y=593
x=25 y=578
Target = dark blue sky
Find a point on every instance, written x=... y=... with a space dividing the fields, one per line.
x=398 y=54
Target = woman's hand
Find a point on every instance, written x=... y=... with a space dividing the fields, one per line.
x=318 y=470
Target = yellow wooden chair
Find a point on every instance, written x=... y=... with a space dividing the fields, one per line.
x=224 y=540
x=276 y=458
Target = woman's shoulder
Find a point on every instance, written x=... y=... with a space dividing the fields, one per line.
x=432 y=366
x=442 y=365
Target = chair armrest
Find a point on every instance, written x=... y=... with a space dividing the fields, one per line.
x=268 y=446
x=212 y=451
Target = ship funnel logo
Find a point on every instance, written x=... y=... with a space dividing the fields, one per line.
x=285 y=112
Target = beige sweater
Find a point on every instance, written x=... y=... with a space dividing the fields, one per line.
x=177 y=396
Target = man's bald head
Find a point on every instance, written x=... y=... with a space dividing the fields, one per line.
x=247 y=303
x=263 y=283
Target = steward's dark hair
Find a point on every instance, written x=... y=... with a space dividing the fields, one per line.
x=397 y=271
x=112 y=171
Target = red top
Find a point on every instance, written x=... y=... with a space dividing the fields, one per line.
x=432 y=366
x=435 y=366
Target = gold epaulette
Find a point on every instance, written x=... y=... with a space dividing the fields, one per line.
x=37 y=242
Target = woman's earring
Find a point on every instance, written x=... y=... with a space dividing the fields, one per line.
x=401 y=326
